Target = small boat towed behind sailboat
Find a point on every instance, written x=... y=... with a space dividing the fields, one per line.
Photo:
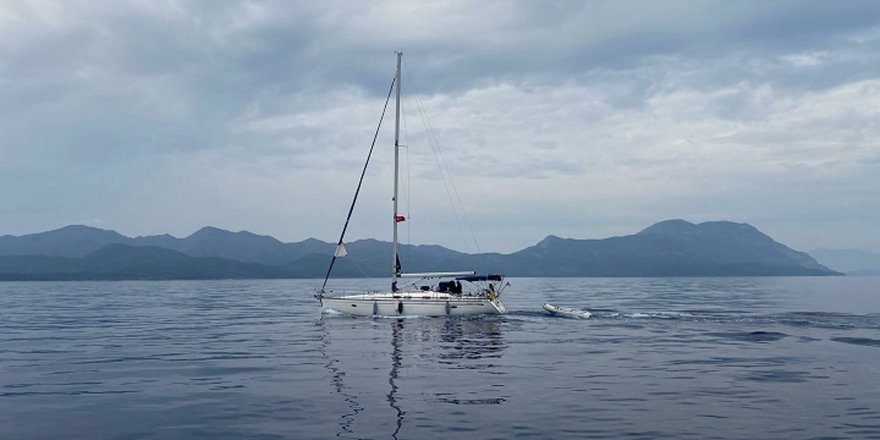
x=432 y=293
x=568 y=312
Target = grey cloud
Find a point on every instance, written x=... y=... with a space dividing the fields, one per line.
x=653 y=109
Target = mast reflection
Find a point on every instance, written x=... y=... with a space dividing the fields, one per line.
x=396 y=361
x=429 y=357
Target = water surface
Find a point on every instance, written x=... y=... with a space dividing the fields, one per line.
x=697 y=358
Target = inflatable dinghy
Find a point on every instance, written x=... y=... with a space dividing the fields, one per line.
x=568 y=312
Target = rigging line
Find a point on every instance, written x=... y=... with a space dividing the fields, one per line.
x=358 y=267
x=439 y=160
x=436 y=145
x=438 y=153
x=456 y=193
x=360 y=182
x=446 y=179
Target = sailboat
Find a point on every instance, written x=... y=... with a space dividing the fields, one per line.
x=431 y=293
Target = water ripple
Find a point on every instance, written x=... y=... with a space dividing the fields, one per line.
x=661 y=358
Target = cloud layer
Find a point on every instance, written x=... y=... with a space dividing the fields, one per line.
x=581 y=119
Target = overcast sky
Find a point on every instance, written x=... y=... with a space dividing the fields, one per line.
x=578 y=119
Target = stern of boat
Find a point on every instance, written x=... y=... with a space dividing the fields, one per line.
x=499 y=306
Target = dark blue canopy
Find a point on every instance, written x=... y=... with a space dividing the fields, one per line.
x=480 y=278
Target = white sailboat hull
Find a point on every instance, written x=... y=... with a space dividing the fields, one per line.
x=413 y=304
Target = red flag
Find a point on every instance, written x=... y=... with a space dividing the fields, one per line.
x=399 y=219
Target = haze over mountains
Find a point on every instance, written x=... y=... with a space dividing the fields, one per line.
x=850 y=261
x=668 y=248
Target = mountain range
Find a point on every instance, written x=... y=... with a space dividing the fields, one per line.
x=668 y=248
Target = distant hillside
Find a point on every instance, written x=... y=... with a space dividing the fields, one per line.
x=865 y=273
x=243 y=246
x=119 y=262
x=851 y=261
x=79 y=241
x=668 y=248
x=69 y=241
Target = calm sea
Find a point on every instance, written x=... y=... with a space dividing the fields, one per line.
x=700 y=358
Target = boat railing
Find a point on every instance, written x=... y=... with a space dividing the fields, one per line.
x=409 y=294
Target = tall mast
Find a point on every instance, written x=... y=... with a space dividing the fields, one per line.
x=395 y=271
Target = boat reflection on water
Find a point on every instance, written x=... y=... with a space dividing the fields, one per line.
x=415 y=365
x=470 y=339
